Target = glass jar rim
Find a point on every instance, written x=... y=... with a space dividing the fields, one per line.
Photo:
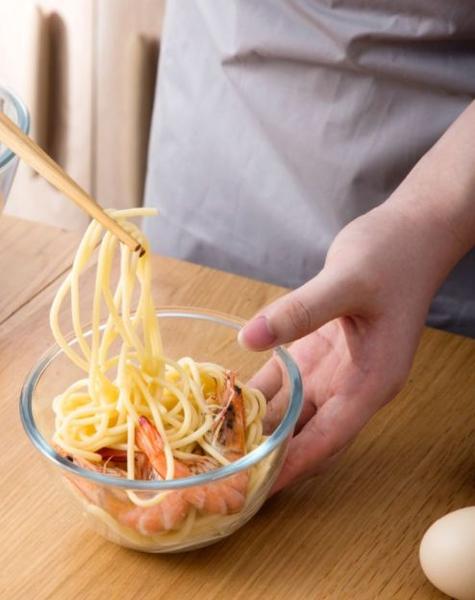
x=277 y=437
x=22 y=120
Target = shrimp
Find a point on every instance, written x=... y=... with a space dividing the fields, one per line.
x=225 y=496
x=168 y=514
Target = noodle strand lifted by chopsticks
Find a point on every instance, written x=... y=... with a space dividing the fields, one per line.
x=102 y=409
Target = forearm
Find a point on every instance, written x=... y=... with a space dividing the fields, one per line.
x=437 y=199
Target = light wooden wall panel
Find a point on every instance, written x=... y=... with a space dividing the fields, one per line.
x=46 y=56
x=86 y=70
x=127 y=51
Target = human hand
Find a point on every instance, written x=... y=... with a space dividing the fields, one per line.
x=358 y=322
x=356 y=326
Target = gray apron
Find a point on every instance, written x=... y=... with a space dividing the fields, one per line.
x=279 y=121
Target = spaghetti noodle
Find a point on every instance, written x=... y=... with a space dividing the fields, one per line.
x=139 y=414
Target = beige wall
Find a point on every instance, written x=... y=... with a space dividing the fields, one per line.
x=86 y=71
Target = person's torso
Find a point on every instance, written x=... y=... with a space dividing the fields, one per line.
x=278 y=122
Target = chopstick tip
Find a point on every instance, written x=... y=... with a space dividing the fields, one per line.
x=140 y=249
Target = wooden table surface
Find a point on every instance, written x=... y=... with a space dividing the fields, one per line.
x=352 y=533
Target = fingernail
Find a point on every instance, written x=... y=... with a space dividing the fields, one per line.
x=257 y=334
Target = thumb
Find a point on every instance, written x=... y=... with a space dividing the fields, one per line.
x=322 y=299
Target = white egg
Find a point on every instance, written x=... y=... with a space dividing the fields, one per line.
x=447 y=554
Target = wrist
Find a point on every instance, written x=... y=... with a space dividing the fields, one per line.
x=439 y=192
x=445 y=214
x=438 y=221
x=427 y=248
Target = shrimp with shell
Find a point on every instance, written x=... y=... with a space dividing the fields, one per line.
x=225 y=496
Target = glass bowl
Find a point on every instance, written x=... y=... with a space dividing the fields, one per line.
x=14 y=108
x=105 y=502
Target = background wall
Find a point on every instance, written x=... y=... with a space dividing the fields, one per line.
x=87 y=73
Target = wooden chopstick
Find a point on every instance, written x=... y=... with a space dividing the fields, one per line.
x=22 y=145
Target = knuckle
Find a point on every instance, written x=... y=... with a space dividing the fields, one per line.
x=299 y=316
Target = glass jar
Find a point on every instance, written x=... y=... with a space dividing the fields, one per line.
x=16 y=110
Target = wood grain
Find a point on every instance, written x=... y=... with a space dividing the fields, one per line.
x=352 y=533
x=31 y=256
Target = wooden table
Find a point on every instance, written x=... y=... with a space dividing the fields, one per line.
x=352 y=533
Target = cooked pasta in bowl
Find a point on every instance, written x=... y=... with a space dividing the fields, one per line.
x=147 y=414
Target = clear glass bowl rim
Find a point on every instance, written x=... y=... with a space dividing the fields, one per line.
x=23 y=121
x=280 y=434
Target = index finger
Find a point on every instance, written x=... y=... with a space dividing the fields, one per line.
x=268 y=379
